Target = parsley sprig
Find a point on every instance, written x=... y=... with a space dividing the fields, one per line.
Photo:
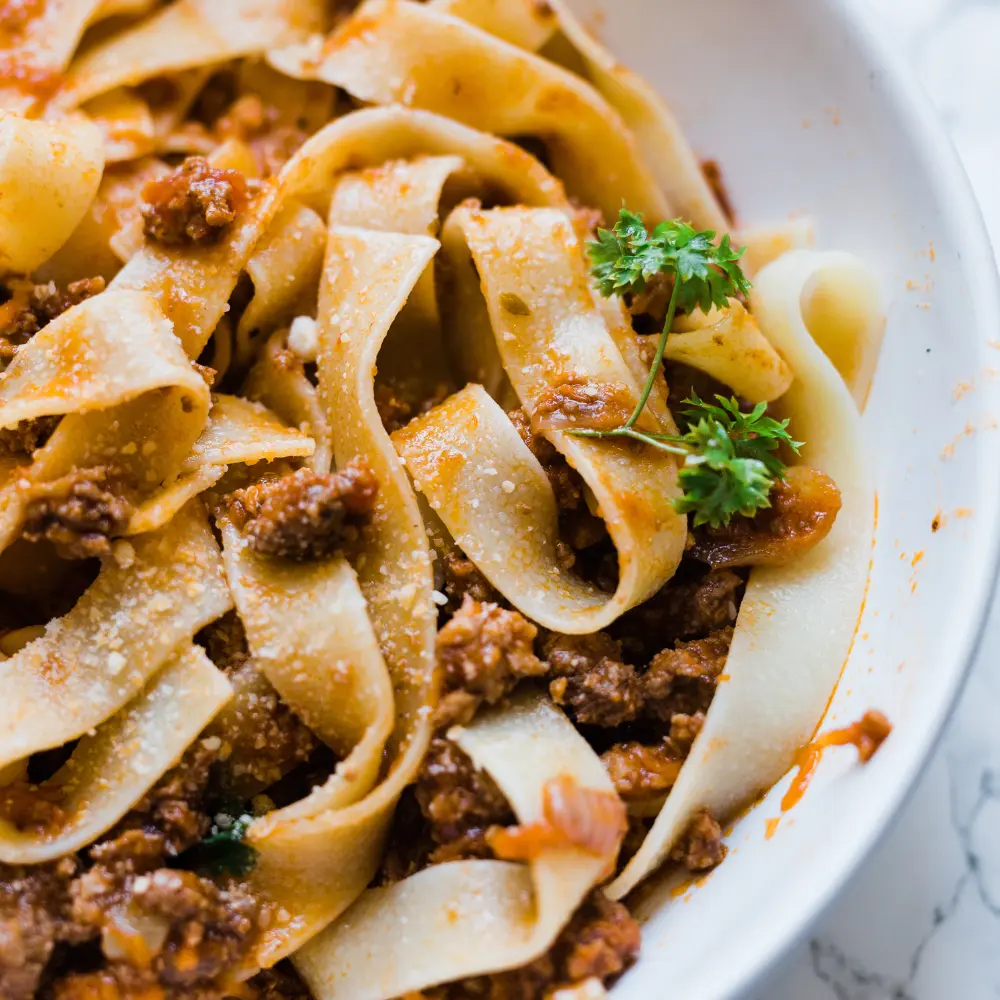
x=731 y=458
x=224 y=850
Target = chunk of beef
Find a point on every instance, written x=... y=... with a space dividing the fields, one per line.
x=566 y=482
x=193 y=204
x=172 y=810
x=462 y=577
x=32 y=307
x=459 y=802
x=701 y=848
x=591 y=679
x=306 y=514
x=28 y=436
x=483 y=652
x=79 y=513
x=600 y=942
x=35 y=916
x=225 y=642
x=280 y=983
x=804 y=507
x=192 y=931
x=580 y=402
x=578 y=528
x=642 y=775
x=685 y=608
x=261 y=739
x=682 y=681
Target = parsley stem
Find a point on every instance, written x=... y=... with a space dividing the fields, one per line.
x=630 y=432
x=658 y=357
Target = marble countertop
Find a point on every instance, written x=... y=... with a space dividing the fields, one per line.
x=921 y=920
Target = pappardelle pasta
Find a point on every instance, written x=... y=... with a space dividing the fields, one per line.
x=424 y=513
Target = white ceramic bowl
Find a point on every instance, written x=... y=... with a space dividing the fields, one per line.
x=809 y=111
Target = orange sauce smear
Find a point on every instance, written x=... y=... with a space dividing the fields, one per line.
x=867 y=734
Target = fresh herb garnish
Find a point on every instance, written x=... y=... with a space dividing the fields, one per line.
x=731 y=458
x=223 y=851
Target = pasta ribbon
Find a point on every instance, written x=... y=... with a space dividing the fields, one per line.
x=439 y=918
x=380 y=56
x=462 y=452
x=797 y=622
x=49 y=172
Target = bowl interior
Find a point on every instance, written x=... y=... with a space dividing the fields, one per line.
x=808 y=115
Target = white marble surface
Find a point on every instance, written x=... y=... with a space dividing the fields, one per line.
x=921 y=920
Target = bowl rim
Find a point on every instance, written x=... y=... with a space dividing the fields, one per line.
x=916 y=114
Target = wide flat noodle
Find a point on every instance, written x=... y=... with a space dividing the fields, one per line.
x=482 y=481
x=282 y=385
x=185 y=35
x=129 y=622
x=367 y=278
x=797 y=622
x=49 y=173
x=525 y=23
x=309 y=634
x=33 y=56
x=111 y=769
x=238 y=431
x=470 y=918
x=114 y=368
x=193 y=284
x=380 y=56
x=656 y=130
x=729 y=346
x=285 y=270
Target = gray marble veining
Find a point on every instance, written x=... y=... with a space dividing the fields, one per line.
x=921 y=920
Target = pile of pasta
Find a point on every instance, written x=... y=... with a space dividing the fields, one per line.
x=407 y=111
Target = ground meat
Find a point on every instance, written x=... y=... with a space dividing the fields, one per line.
x=306 y=514
x=28 y=436
x=459 y=802
x=804 y=507
x=35 y=916
x=32 y=307
x=192 y=204
x=79 y=513
x=641 y=774
x=483 y=652
x=462 y=577
x=172 y=809
x=225 y=641
x=399 y=401
x=701 y=847
x=592 y=681
x=261 y=738
x=682 y=681
x=649 y=307
x=580 y=402
x=685 y=608
x=32 y=807
x=686 y=382
x=566 y=482
x=600 y=942
x=280 y=983
x=578 y=528
x=194 y=932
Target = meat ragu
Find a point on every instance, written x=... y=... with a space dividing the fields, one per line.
x=352 y=554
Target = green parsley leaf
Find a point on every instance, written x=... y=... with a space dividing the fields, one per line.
x=223 y=851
